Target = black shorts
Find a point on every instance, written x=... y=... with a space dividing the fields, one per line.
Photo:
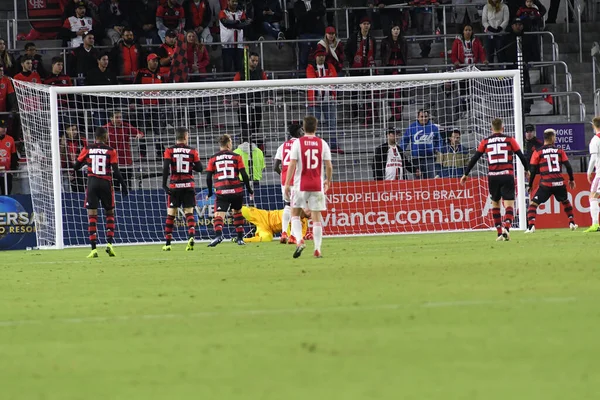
x=223 y=201
x=99 y=191
x=184 y=198
x=502 y=187
x=545 y=192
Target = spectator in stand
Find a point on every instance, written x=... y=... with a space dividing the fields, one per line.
x=83 y=58
x=532 y=15
x=91 y=8
x=149 y=112
x=8 y=100
x=452 y=158
x=333 y=48
x=27 y=73
x=387 y=14
x=494 y=19
x=9 y=159
x=423 y=21
x=388 y=162
x=360 y=52
x=253 y=100
x=76 y=26
x=170 y=17
x=232 y=24
x=465 y=12
x=36 y=59
x=113 y=15
x=528 y=48
x=7 y=61
x=393 y=54
x=166 y=52
x=101 y=74
x=532 y=143
x=71 y=145
x=322 y=102
x=310 y=16
x=127 y=56
x=422 y=138
x=553 y=11
x=120 y=134
x=467 y=49
x=197 y=54
x=269 y=16
x=57 y=77
x=447 y=100
x=197 y=18
x=143 y=21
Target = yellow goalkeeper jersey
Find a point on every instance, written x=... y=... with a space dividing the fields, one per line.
x=267 y=223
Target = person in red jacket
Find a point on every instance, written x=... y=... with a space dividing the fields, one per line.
x=197 y=54
x=333 y=48
x=9 y=160
x=7 y=93
x=28 y=74
x=322 y=102
x=467 y=49
x=120 y=134
x=71 y=145
x=393 y=56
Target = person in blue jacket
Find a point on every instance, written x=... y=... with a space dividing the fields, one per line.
x=424 y=141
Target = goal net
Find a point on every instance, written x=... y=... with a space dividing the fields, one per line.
x=376 y=189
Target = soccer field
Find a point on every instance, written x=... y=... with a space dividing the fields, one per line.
x=440 y=316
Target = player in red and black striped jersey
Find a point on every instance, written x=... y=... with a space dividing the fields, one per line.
x=180 y=162
x=501 y=176
x=102 y=165
x=225 y=167
x=548 y=161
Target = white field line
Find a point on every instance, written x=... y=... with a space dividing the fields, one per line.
x=288 y=311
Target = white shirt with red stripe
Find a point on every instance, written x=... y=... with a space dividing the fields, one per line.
x=229 y=35
x=595 y=149
x=310 y=153
x=283 y=155
x=75 y=24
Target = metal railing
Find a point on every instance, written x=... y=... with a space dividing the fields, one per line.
x=595 y=53
x=532 y=96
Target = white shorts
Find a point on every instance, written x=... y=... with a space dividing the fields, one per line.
x=315 y=201
x=595 y=185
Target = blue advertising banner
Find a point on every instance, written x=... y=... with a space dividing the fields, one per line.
x=569 y=137
x=17 y=228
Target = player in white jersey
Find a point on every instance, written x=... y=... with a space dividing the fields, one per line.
x=282 y=162
x=311 y=170
x=594 y=164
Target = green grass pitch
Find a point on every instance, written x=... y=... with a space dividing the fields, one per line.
x=441 y=316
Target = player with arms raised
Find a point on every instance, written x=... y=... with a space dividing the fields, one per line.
x=501 y=176
x=226 y=166
x=311 y=170
x=282 y=162
x=180 y=161
x=102 y=163
x=595 y=181
x=548 y=161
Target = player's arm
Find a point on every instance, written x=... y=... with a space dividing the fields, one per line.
x=277 y=166
x=119 y=177
x=209 y=183
x=569 y=168
x=198 y=166
x=246 y=180
x=523 y=159
x=290 y=172
x=81 y=159
x=593 y=157
x=328 y=174
x=166 y=171
x=533 y=170
x=472 y=162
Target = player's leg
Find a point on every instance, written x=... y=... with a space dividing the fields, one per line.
x=531 y=215
x=316 y=203
x=189 y=202
x=594 y=207
x=496 y=196
x=221 y=203
x=297 y=201
x=106 y=195
x=561 y=194
x=110 y=232
x=92 y=231
x=169 y=225
x=238 y=219
x=285 y=218
x=507 y=191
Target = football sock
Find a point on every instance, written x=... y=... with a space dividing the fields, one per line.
x=191 y=224
x=285 y=219
x=509 y=215
x=238 y=223
x=317 y=235
x=218 y=226
x=297 y=228
x=594 y=210
x=92 y=221
x=169 y=228
x=531 y=214
x=110 y=228
x=568 y=208
x=497 y=219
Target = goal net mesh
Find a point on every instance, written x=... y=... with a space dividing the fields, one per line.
x=375 y=191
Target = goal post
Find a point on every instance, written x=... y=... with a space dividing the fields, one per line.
x=354 y=115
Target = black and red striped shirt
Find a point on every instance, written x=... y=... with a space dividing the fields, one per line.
x=550 y=160
x=99 y=158
x=226 y=167
x=182 y=159
x=499 y=149
x=58 y=80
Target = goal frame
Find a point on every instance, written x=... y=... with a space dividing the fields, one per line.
x=56 y=91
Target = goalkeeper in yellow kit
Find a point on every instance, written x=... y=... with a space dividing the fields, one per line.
x=268 y=223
